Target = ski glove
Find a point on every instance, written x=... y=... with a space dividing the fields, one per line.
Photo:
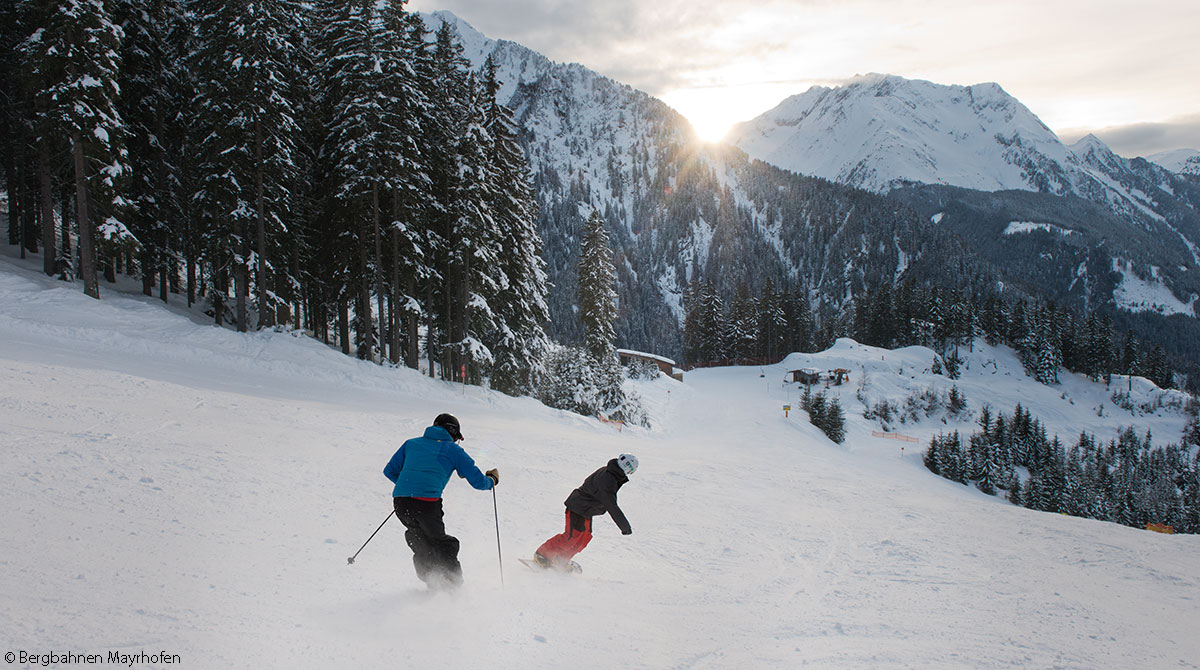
x=495 y=475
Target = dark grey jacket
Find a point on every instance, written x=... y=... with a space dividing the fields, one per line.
x=598 y=494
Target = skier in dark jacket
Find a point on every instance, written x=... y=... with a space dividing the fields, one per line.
x=596 y=495
x=420 y=470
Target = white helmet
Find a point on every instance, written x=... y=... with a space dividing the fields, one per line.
x=628 y=463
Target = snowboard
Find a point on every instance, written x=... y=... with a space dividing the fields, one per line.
x=572 y=567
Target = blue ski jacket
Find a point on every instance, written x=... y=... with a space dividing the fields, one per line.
x=421 y=467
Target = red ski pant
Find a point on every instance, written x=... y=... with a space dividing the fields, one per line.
x=562 y=547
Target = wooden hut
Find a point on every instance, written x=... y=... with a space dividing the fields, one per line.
x=808 y=376
x=665 y=365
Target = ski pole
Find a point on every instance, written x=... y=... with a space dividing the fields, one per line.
x=350 y=561
x=499 y=555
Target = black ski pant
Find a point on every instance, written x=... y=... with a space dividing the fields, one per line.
x=435 y=554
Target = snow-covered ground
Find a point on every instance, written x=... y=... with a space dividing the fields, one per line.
x=173 y=487
x=1019 y=227
x=1140 y=295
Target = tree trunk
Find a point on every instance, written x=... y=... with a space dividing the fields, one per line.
x=189 y=257
x=344 y=324
x=191 y=279
x=29 y=212
x=65 y=260
x=87 y=242
x=430 y=329
x=148 y=267
x=266 y=315
x=411 y=319
x=241 y=275
x=379 y=294
x=47 y=193
x=460 y=314
x=20 y=224
x=219 y=293
x=394 y=312
x=11 y=179
x=298 y=313
x=166 y=267
x=365 y=322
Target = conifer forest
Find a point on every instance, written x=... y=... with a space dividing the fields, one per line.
x=1128 y=480
x=329 y=166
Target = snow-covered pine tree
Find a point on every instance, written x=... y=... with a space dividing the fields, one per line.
x=597 y=289
x=1131 y=357
x=1039 y=349
x=880 y=319
x=449 y=96
x=245 y=105
x=835 y=421
x=801 y=330
x=742 y=325
x=183 y=135
x=411 y=185
x=1100 y=349
x=518 y=341
x=772 y=320
x=930 y=457
x=76 y=46
x=1158 y=370
x=361 y=66
x=474 y=245
x=936 y=318
x=1018 y=323
x=30 y=131
x=703 y=329
x=815 y=405
x=1049 y=355
x=960 y=320
x=598 y=310
x=950 y=460
x=149 y=104
x=374 y=147
x=988 y=469
x=14 y=102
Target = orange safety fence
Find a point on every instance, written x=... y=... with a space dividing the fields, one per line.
x=619 y=424
x=1161 y=528
x=894 y=436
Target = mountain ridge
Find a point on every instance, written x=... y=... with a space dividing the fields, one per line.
x=1179 y=161
x=681 y=210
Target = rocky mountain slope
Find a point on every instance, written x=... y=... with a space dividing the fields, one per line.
x=679 y=209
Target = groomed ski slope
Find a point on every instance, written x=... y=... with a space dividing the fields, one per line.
x=173 y=487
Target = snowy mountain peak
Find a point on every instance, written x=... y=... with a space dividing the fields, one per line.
x=1179 y=161
x=517 y=64
x=881 y=131
x=1091 y=151
x=1087 y=143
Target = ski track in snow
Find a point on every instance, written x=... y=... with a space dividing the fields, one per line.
x=185 y=488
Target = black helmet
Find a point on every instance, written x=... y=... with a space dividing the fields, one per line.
x=450 y=423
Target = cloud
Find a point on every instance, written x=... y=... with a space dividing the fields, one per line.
x=654 y=47
x=1143 y=139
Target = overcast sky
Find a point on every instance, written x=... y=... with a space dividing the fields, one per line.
x=1126 y=70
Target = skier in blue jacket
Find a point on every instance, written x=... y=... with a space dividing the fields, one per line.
x=420 y=470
